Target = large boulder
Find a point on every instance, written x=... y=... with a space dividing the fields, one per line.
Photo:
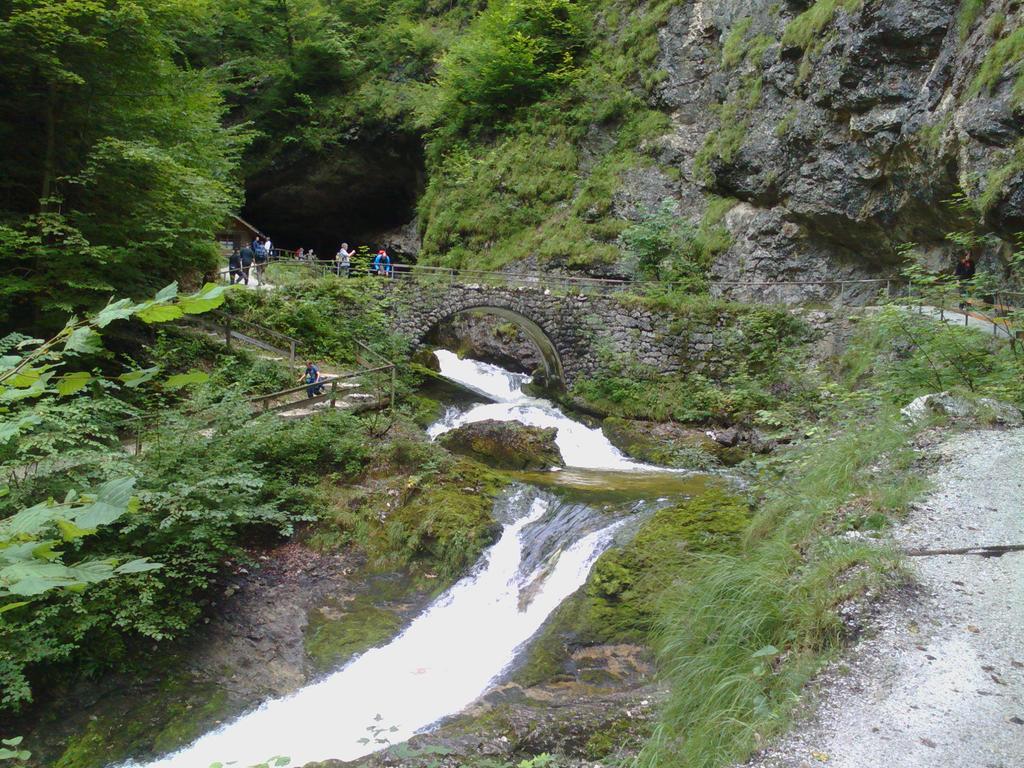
x=505 y=445
x=982 y=409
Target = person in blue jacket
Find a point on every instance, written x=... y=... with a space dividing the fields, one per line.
x=382 y=263
x=312 y=377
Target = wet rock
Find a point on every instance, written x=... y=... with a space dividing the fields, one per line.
x=489 y=339
x=666 y=444
x=506 y=445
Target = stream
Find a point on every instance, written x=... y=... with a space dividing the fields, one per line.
x=462 y=643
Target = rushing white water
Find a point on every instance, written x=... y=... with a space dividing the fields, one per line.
x=439 y=665
x=581 y=446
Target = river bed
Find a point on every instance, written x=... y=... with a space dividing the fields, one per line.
x=462 y=643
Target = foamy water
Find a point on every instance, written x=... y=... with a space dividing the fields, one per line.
x=439 y=665
x=581 y=446
x=455 y=649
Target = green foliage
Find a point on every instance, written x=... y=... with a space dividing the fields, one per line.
x=966 y=17
x=758 y=356
x=740 y=632
x=664 y=246
x=995 y=25
x=329 y=316
x=526 y=186
x=1004 y=55
x=124 y=168
x=733 y=49
x=9 y=750
x=787 y=122
x=739 y=47
x=514 y=52
x=722 y=145
x=208 y=477
x=898 y=355
x=997 y=178
x=806 y=29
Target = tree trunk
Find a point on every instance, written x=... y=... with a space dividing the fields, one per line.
x=49 y=155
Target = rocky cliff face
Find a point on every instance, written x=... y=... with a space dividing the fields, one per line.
x=841 y=128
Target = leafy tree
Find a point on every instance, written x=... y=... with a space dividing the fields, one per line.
x=120 y=167
x=44 y=548
x=515 y=52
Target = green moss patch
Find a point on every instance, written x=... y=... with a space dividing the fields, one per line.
x=666 y=445
x=335 y=634
x=161 y=722
x=422 y=508
x=619 y=600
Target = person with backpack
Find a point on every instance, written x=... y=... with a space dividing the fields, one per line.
x=964 y=273
x=248 y=256
x=312 y=378
x=343 y=260
x=261 y=259
x=235 y=265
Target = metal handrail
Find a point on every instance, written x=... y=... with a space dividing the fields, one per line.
x=402 y=271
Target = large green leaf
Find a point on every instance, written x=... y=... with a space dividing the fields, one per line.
x=84 y=341
x=37 y=388
x=13 y=427
x=209 y=297
x=133 y=379
x=118 y=310
x=186 y=379
x=137 y=566
x=31 y=521
x=160 y=313
x=167 y=293
x=112 y=500
x=70 y=383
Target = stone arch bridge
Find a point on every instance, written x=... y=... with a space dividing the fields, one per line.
x=572 y=330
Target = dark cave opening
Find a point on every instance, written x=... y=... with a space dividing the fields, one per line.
x=352 y=194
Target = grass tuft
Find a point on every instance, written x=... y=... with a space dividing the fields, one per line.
x=805 y=29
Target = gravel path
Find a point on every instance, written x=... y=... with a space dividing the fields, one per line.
x=939 y=681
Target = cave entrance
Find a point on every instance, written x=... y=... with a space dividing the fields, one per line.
x=355 y=193
x=502 y=337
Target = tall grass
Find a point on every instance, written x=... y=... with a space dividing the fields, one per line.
x=739 y=634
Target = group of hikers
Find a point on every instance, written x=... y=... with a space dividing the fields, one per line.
x=257 y=254
x=242 y=261
x=381 y=264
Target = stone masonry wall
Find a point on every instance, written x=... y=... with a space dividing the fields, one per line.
x=583 y=329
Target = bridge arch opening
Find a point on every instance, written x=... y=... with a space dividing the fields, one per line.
x=548 y=360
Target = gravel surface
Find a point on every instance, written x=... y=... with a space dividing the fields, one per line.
x=939 y=680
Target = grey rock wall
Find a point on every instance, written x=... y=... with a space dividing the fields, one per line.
x=839 y=155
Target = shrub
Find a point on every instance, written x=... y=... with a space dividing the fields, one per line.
x=515 y=52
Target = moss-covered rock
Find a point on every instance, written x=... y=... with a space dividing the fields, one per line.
x=667 y=444
x=617 y=603
x=335 y=634
x=179 y=712
x=506 y=445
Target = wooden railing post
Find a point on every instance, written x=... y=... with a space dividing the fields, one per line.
x=334 y=392
x=391 y=405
